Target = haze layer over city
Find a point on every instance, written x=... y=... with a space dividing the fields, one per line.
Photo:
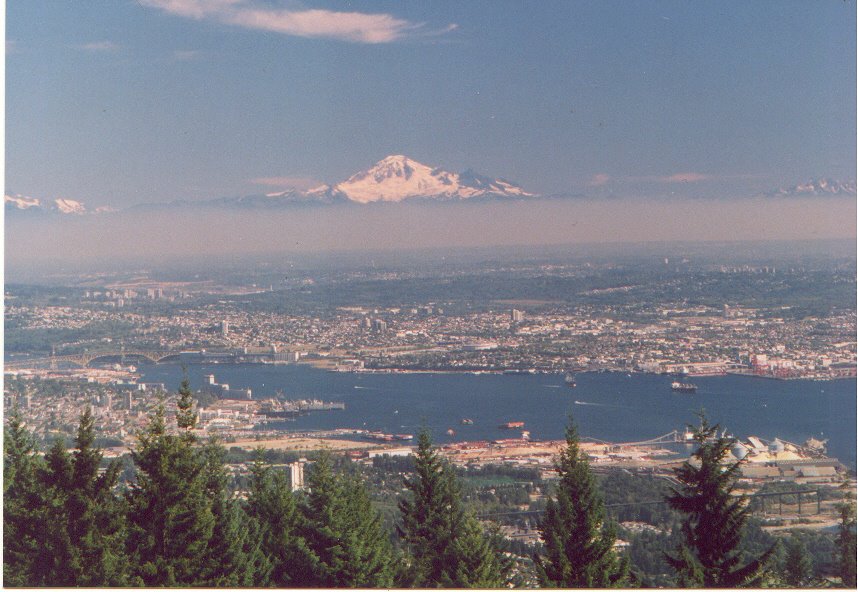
x=403 y=294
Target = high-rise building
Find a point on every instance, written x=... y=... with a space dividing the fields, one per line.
x=296 y=473
x=224 y=328
x=517 y=316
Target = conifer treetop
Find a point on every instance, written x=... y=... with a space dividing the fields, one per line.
x=714 y=517
x=578 y=545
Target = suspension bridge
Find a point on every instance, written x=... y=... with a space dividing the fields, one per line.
x=672 y=437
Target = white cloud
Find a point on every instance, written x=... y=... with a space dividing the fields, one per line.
x=357 y=27
x=196 y=9
x=100 y=46
x=685 y=178
x=598 y=180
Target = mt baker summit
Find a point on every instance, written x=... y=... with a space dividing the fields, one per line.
x=397 y=178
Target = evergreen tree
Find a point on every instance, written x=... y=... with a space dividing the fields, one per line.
x=714 y=518
x=578 y=545
x=170 y=515
x=72 y=523
x=423 y=526
x=186 y=419
x=19 y=453
x=56 y=561
x=274 y=514
x=24 y=516
x=846 y=539
x=479 y=562
x=348 y=547
x=447 y=545
x=797 y=569
x=235 y=557
x=91 y=511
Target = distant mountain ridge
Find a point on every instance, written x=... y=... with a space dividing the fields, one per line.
x=819 y=187
x=393 y=179
x=33 y=204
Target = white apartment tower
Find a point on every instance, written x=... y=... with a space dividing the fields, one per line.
x=296 y=472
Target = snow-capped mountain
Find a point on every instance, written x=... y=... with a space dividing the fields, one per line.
x=817 y=187
x=22 y=202
x=397 y=178
x=69 y=206
x=33 y=204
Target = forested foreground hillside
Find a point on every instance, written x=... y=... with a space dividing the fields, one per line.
x=175 y=516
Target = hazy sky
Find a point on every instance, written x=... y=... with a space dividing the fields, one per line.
x=118 y=102
x=172 y=234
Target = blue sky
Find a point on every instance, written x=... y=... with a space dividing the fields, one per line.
x=118 y=102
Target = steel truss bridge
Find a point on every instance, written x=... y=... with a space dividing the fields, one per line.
x=83 y=360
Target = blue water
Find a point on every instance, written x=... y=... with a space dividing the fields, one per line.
x=608 y=406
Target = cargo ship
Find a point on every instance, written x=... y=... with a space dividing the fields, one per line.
x=274 y=409
x=511 y=425
x=291 y=409
x=315 y=405
x=683 y=387
x=382 y=437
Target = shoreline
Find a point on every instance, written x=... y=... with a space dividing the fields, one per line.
x=613 y=371
x=18 y=365
x=326 y=365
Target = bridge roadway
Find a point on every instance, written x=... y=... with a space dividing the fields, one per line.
x=669 y=438
x=85 y=359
